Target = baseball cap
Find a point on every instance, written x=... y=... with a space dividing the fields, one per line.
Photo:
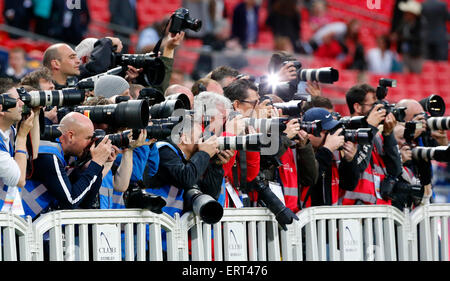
x=317 y=113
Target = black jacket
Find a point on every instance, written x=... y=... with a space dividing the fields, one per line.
x=184 y=173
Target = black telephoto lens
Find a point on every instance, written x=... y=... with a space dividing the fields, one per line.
x=131 y=114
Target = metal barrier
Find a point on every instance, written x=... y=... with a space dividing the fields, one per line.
x=367 y=233
x=101 y=234
x=429 y=233
x=13 y=230
x=322 y=233
x=249 y=234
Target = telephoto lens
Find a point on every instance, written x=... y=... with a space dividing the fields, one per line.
x=326 y=75
x=152 y=95
x=314 y=127
x=438 y=153
x=170 y=119
x=439 y=123
x=7 y=102
x=252 y=142
x=130 y=114
x=359 y=136
x=119 y=139
x=290 y=108
x=265 y=124
x=167 y=108
x=203 y=205
x=355 y=122
x=156 y=131
x=434 y=105
x=65 y=97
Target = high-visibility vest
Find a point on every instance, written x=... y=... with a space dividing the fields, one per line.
x=35 y=196
x=336 y=192
x=109 y=198
x=172 y=194
x=288 y=177
x=371 y=178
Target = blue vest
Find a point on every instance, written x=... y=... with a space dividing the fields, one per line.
x=35 y=196
x=109 y=198
x=172 y=194
x=3 y=147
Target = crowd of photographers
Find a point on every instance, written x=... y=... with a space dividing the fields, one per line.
x=95 y=128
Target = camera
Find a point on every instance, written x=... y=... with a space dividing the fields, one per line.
x=203 y=205
x=290 y=108
x=265 y=124
x=181 y=21
x=326 y=75
x=7 y=102
x=439 y=123
x=438 y=153
x=434 y=105
x=355 y=122
x=251 y=142
x=359 y=136
x=154 y=69
x=314 y=127
x=161 y=107
x=119 y=139
x=398 y=112
x=51 y=133
x=65 y=97
x=156 y=131
x=410 y=130
x=130 y=114
x=290 y=90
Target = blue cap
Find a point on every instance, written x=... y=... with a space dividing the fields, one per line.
x=317 y=113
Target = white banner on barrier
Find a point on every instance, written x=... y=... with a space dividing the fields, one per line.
x=236 y=242
x=107 y=242
x=351 y=240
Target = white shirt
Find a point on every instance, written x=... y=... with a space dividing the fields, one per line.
x=379 y=63
x=9 y=170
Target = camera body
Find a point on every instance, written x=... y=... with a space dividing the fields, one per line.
x=7 y=102
x=181 y=21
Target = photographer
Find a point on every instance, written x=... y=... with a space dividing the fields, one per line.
x=411 y=173
x=52 y=186
x=422 y=136
x=184 y=161
x=13 y=148
x=336 y=165
x=294 y=165
x=245 y=100
x=116 y=173
x=378 y=161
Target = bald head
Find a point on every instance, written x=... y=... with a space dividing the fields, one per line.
x=75 y=121
x=52 y=53
x=413 y=107
x=177 y=89
x=77 y=132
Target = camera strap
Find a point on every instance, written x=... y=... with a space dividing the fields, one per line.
x=158 y=44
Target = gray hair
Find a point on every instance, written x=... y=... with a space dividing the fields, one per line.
x=211 y=101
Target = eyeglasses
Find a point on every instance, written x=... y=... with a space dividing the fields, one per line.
x=253 y=103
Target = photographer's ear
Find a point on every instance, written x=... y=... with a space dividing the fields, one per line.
x=357 y=108
x=55 y=64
